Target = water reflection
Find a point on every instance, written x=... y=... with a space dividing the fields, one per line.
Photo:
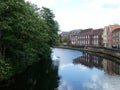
x=77 y=71
x=40 y=76
x=107 y=77
x=87 y=71
x=111 y=67
x=91 y=61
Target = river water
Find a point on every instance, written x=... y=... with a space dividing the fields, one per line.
x=86 y=71
x=68 y=70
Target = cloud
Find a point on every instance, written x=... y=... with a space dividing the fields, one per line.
x=47 y=3
x=63 y=66
x=41 y=3
x=109 y=4
x=82 y=14
x=83 y=20
x=95 y=14
x=103 y=83
x=64 y=85
x=82 y=67
x=64 y=1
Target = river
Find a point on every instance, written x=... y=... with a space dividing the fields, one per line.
x=68 y=70
x=86 y=71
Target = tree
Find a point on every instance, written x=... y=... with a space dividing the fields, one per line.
x=26 y=33
x=65 y=40
x=52 y=25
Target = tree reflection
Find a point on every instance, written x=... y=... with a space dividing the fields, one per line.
x=40 y=76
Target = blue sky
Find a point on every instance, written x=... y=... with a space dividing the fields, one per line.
x=82 y=14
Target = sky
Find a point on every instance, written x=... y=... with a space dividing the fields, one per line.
x=83 y=14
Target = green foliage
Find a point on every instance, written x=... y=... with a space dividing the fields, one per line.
x=5 y=69
x=39 y=76
x=52 y=25
x=26 y=33
x=65 y=39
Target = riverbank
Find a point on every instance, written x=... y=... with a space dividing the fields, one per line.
x=103 y=51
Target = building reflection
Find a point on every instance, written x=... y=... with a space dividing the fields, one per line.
x=89 y=61
x=110 y=67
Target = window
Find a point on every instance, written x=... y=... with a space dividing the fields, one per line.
x=97 y=36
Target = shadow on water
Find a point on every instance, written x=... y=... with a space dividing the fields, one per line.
x=40 y=76
x=109 y=64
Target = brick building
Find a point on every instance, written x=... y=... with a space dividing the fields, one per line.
x=73 y=37
x=105 y=37
x=84 y=37
x=111 y=28
x=116 y=38
x=97 y=39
